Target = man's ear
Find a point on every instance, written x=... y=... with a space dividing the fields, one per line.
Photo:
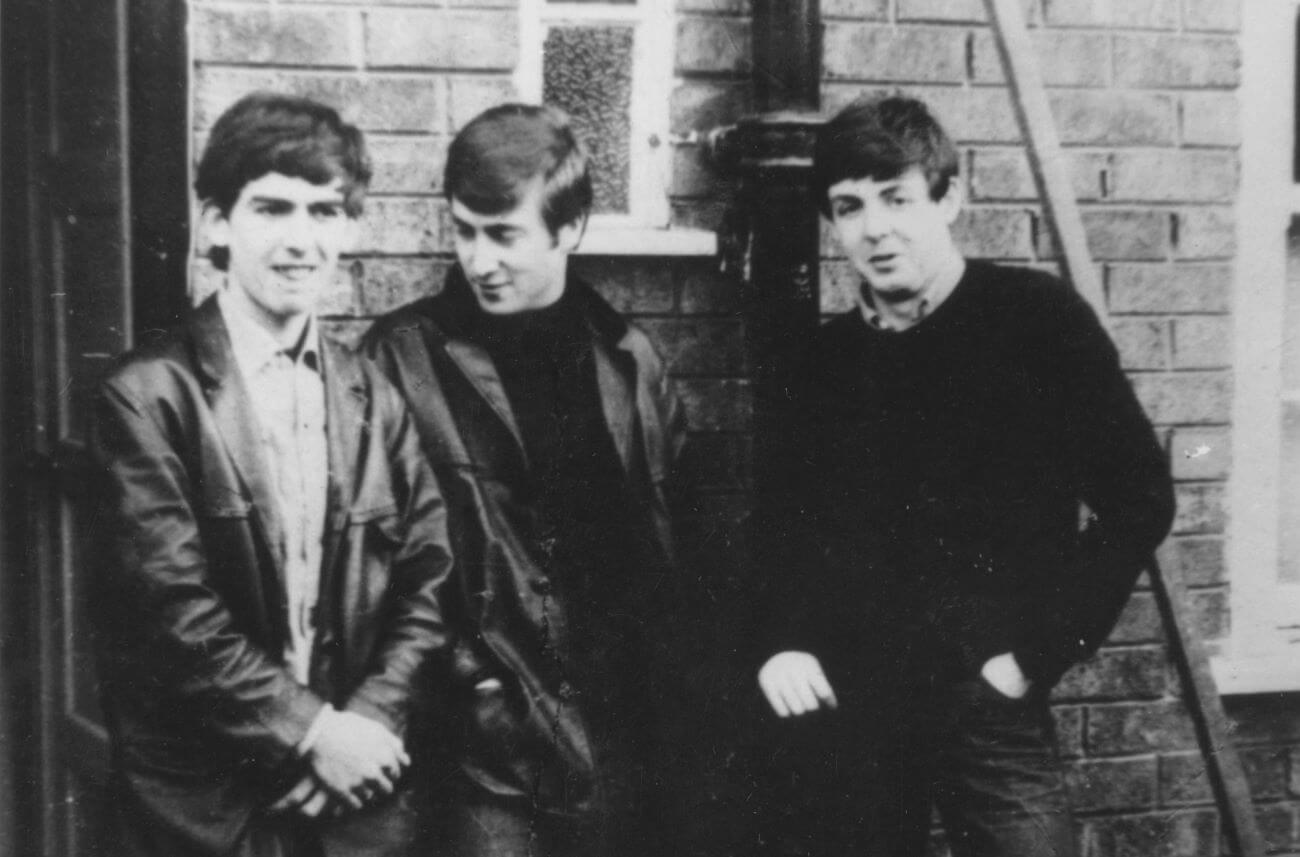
x=951 y=201
x=215 y=225
x=569 y=236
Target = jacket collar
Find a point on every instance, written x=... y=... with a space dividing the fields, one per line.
x=454 y=310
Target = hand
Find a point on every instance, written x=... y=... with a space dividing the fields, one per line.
x=308 y=798
x=794 y=684
x=356 y=759
x=1005 y=675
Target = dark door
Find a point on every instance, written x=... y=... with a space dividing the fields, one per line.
x=102 y=160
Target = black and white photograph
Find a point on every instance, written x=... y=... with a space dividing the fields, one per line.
x=650 y=428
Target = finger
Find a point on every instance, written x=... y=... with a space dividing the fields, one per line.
x=315 y=804
x=347 y=798
x=774 y=699
x=822 y=687
x=804 y=691
x=791 y=696
x=295 y=796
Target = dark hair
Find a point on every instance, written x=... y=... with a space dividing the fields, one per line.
x=880 y=138
x=504 y=148
x=266 y=133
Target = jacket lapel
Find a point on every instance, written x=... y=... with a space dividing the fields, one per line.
x=232 y=411
x=479 y=370
x=347 y=406
x=616 y=397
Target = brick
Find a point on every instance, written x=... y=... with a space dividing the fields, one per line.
x=249 y=36
x=1183 y=780
x=1004 y=174
x=1112 y=118
x=1065 y=58
x=1138 y=728
x=1185 y=397
x=717 y=461
x=632 y=284
x=1176 y=62
x=470 y=96
x=1169 y=288
x=395 y=225
x=1116 y=674
x=885 y=53
x=1202 y=342
x=385 y=284
x=705 y=289
x=699 y=346
x=1112 y=784
x=840 y=283
x=1139 y=622
x=1068 y=723
x=403 y=104
x=995 y=233
x=1278 y=826
x=1142 y=343
x=1118 y=234
x=1154 y=14
x=698 y=105
x=1268 y=719
x=1212 y=14
x=970 y=115
x=1187 y=833
x=1200 y=508
x=1201 y=453
x=409 y=165
x=862 y=10
x=1205 y=233
x=1174 y=176
x=479 y=4
x=1200 y=561
x=1210 y=614
x=941 y=10
x=1211 y=119
x=713 y=44
x=417 y=38
x=719 y=7
x=716 y=405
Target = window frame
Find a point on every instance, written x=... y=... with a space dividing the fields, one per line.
x=1261 y=654
x=645 y=228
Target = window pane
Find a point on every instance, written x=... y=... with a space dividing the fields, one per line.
x=587 y=71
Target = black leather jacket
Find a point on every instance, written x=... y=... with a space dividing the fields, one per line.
x=523 y=739
x=203 y=713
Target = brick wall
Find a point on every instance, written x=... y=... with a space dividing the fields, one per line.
x=1144 y=94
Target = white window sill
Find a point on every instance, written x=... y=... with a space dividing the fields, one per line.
x=1272 y=673
x=613 y=241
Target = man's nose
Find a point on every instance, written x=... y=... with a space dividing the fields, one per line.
x=875 y=222
x=483 y=257
x=298 y=232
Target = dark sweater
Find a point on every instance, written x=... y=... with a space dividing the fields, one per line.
x=930 y=515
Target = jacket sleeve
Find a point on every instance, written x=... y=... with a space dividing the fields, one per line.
x=163 y=600
x=416 y=631
x=1123 y=477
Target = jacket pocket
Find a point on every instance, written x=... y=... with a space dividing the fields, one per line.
x=500 y=750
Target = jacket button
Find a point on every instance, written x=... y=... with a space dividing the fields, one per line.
x=541 y=585
x=547 y=546
x=566 y=690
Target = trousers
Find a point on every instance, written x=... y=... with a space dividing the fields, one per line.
x=869 y=777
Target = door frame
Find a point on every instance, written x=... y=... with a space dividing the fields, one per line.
x=155 y=70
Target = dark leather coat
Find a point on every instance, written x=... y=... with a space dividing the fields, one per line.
x=524 y=740
x=203 y=713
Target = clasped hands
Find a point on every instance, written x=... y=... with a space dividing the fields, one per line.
x=794 y=683
x=354 y=762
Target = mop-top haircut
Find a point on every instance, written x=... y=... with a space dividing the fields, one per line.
x=503 y=149
x=880 y=138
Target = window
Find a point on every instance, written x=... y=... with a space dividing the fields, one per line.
x=609 y=65
x=1263 y=650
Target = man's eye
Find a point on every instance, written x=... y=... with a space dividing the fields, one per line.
x=328 y=212
x=844 y=209
x=270 y=208
x=898 y=201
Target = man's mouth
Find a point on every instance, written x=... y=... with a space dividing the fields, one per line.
x=882 y=258
x=295 y=272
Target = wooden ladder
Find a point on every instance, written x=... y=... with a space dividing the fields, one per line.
x=1223 y=766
